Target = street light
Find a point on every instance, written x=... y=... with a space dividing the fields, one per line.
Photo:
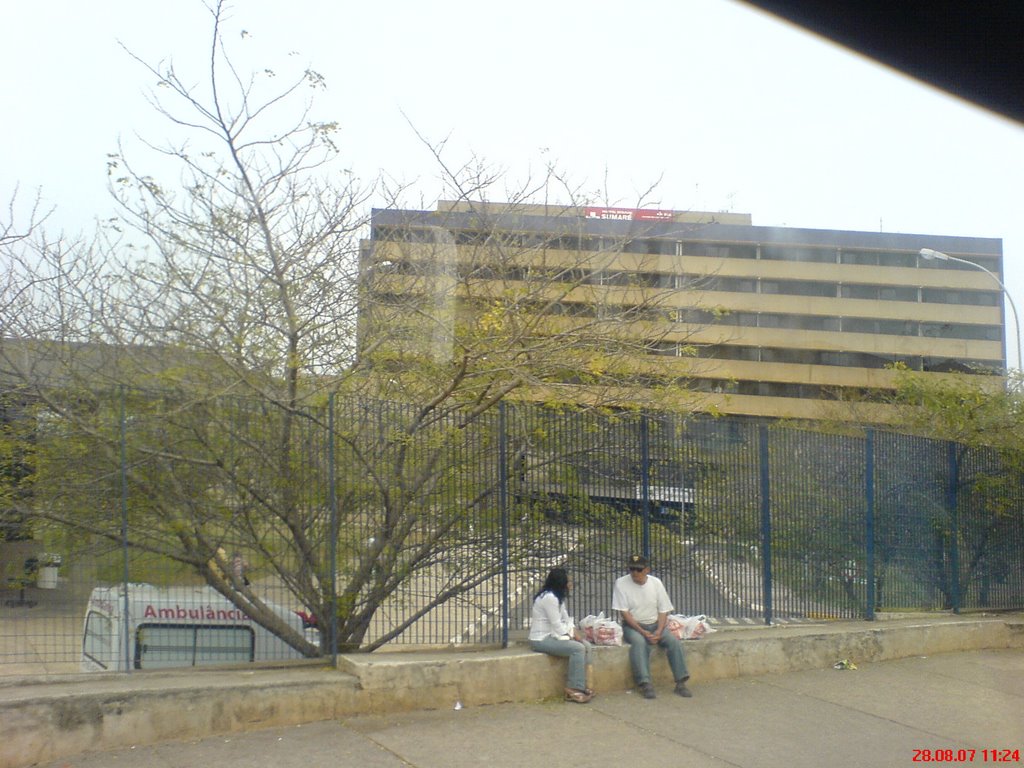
x=928 y=253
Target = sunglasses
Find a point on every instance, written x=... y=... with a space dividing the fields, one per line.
x=636 y=568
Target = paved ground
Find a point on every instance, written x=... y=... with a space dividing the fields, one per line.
x=966 y=707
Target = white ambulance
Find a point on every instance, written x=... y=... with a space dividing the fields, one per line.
x=177 y=627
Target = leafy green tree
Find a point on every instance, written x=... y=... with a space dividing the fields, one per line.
x=981 y=418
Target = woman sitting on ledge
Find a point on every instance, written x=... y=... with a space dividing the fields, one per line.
x=552 y=632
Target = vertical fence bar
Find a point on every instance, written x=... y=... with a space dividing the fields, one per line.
x=954 y=521
x=332 y=496
x=503 y=506
x=123 y=428
x=645 y=483
x=869 y=522
x=766 y=523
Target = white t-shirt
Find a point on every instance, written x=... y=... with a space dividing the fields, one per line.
x=549 y=617
x=644 y=602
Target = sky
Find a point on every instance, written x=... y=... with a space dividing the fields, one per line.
x=726 y=107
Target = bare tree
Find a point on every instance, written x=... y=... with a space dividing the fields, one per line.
x=223 y=307
x=234 y=279
x=463 y=310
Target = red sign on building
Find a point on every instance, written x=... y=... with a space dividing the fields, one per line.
x=629 y=214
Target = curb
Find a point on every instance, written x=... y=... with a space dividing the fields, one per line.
x=43 y=719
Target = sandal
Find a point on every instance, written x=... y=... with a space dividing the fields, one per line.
x=580 y=697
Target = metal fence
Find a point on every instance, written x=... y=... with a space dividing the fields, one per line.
x=358 y=524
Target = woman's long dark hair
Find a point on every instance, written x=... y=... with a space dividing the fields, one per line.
x=557 y=583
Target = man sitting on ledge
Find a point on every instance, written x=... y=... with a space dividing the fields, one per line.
x=644 y=606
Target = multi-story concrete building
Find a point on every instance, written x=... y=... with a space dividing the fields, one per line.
x=757 y=321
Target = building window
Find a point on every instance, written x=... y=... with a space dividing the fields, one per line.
x=948 y=365
x=879 y=292
x=965 y=298
x=897 y=259
x=991 y=263
x=962 y=331
x=897 y=293
x=742 y=252
x=728 y=352
x=867 y=258
x=668 y=348
x=570 y=276
x=469 y=237
x=793 y=253
x=800 y=288
x=875 y=325
x=653 y=279
x=697 y=316
x=716 y=250
x=798 y=322
x=724 y=284
x=842 y=359
x=610 y=278
x=651 y=246
x=403 y=234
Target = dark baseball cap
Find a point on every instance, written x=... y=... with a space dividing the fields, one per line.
x=637 y=561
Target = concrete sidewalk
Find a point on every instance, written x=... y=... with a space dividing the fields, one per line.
x=880 y=714
x=43 y=719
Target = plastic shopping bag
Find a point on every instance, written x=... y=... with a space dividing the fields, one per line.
x=601 y=631
x=689 y=627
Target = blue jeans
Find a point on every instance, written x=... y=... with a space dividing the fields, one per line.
x=578 y=653
x=640 y=653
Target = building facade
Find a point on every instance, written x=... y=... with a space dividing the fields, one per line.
x=745 y=320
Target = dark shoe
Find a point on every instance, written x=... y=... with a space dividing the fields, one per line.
x=647 y=691
x=580 y=697
x=682 y=690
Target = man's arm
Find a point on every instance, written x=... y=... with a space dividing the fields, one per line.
x=662 y=623
x=650 y=637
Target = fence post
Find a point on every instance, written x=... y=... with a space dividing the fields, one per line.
x=869 y=523
x=126 y=575
x=332 y=478
x=766 y=523
x=645 y=484
x=954 y=520
x=503 y=506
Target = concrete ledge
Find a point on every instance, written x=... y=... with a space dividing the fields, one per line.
x=43 y=719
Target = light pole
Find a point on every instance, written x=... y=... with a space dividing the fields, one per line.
x=928 y=253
